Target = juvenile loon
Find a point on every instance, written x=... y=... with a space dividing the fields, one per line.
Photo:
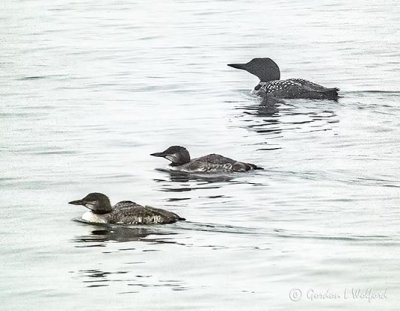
x=212 y=163
x=124 y=212
x=269 y=74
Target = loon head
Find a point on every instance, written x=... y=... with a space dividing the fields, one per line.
x=98 y=203
x=176 y=154
x=264 y=68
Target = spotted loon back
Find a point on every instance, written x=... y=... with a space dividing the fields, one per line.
x=128 y=212
x=296 y=88
x=218 y=163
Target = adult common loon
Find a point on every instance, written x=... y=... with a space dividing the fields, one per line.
x=269 y=74
x=212 y=163
x=124 y=212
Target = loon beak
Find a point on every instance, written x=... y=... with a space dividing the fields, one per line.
x=238 y=66
x=168 y=156
x=77 y=202
x=158 y=154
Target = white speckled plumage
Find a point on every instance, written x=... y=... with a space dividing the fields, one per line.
x=295 y=88
x=270 y=84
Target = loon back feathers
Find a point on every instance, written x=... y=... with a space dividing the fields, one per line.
x=216 y=162
x=296 y=88
x=127 y=212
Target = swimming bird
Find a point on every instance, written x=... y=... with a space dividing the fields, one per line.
x=212 y=163
x=269 y=74
x=124 y=212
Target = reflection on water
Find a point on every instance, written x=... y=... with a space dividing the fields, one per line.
x=268 y=110
x=303 y=115
x=117 y=233
x=179 y=176
x=97 y=278
x=159 y=233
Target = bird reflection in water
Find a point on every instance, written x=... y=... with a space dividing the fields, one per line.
x=180 y=176
x=274 y=116
x=98 y=278
x=202 y=181
x=133 y=281
x=103 y=233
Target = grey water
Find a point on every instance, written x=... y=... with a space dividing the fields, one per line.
x=90 y=88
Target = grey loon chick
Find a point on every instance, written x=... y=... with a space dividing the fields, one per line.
x=124 y=212
x=269 y=74
x=212 y=163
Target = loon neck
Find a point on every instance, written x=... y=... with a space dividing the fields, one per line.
x=178 y=164
x=89 y=216
x=103 y=212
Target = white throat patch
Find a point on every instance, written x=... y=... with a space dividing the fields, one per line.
x=94 y=218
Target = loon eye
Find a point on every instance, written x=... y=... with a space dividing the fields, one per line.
x=258 y=86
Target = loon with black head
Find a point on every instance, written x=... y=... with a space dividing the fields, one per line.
x=212 y=163
x=270 y=84
x=124 y=212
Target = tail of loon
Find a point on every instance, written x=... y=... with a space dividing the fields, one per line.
x=254 y=167
x=330 y=93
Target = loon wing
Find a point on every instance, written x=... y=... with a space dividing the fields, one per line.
x=216 y=162
x=215 y=159
x=128 y=212
x=311 y=85
x=125 y=204
x=169 y=216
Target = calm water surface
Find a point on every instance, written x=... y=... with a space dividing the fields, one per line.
x=90 y=88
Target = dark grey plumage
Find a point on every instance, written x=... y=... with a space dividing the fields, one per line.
x=124 y=212
x=128 y=212
x=270 y=84
x=212 y=163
